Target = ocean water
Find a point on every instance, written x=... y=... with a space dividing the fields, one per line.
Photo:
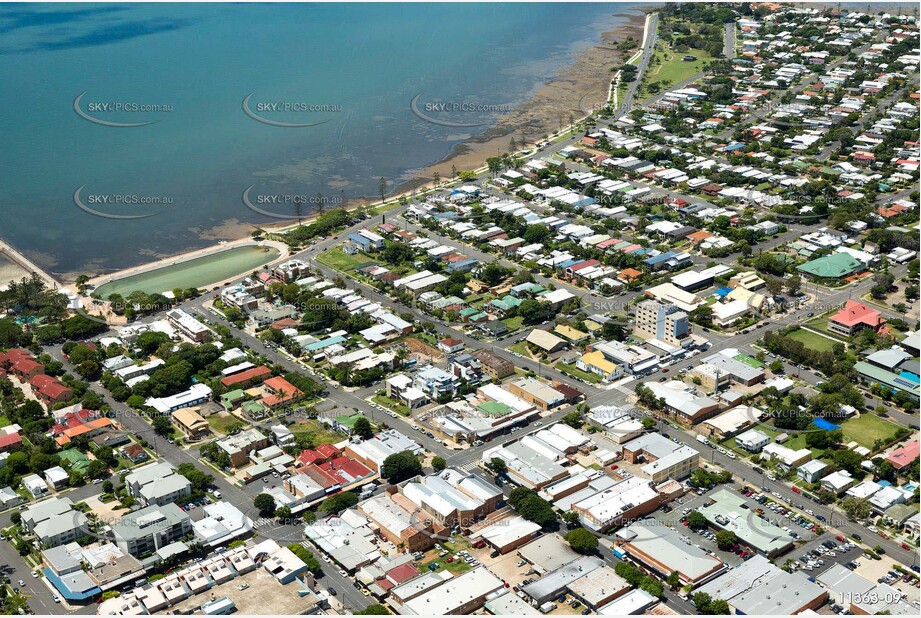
x=349 y=70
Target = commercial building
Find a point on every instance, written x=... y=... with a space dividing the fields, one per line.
x=661 y=549
x=373 y=451
x=662 y=321
x=726 y=513
x=833 y=266
x=195 y=395
x=463 y=594
x=626 y=500
x=683 y=403
x=538 y=393
x=552 y=584
x=759 y=587
x=147 y=530
x=663 y=458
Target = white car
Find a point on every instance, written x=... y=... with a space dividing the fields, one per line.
x=771 y=477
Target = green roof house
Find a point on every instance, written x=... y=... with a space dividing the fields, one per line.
x=78 y=460
x=231 y=398
x=834 y=266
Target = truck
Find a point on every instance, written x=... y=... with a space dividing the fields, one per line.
x=547 y=607
x=701 y=439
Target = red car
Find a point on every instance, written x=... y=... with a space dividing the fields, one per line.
x=906 y=547
x=614 y=467
x=840 y=539
x=795 y=489
x=665 y=370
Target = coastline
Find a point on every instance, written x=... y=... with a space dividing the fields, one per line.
x=573 y=91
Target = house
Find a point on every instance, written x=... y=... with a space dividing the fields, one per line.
x=49 y=389
x=57 y=477
x=449 y=345
x=280 y=392
x=196 y=394
x=812 y=471
x=855 y=316
x=596 y=363
x=35 y=485
x=837 y=482
x=191 y=422
x=546 y=341
x=753 y=440
x=135 y=453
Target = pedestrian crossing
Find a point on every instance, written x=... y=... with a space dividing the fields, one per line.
x=469 y=467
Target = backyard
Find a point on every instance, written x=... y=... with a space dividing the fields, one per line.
x=575 y=372
x=224 y=422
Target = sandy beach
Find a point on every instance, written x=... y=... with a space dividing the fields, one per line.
x=575 y=91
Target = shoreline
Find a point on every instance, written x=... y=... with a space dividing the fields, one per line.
x=575 y=90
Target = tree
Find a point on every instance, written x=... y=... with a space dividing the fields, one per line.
x=674 y=580
x=848 y=460
x=401 y=466
x=573 y=419
x=726 y=539
x=718 y=607
x=794 y=283
x=696 y=520
x=265 y=504
x=439 y=463
x=382 y=187
x=162 y=426
x=776 y=366
x=363 y=428
x=498 y=466
x=703 y=316
x=307 y=557
x=283 y=512
x=856 y=508
x=582 y=541
x=339 y=502
x=532 y=507
x=375 y=609
x=648 y=422
x=107 y=487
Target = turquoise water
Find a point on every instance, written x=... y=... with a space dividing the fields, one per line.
x=197 y=273
x=200 y=62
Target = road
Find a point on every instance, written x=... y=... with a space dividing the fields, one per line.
x=652 y=36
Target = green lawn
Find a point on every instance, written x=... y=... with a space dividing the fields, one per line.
x=575 y=372
x=342 y=261
x=513 y=323
x=223 y=423
x=867 y=429
x=318 y=432
x=672 y=69
x=521 y=348
x=391 y=404
x=813 y=341
x=4 y=421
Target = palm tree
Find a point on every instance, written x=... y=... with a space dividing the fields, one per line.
x=382 y=187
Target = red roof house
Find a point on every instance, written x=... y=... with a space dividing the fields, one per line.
x=904 y=455
x=855 y=316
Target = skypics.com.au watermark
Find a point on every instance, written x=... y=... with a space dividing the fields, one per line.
x=294 y=205
x=95 y=111
x=449 y=113
x=280 y=113
x=97 y=203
